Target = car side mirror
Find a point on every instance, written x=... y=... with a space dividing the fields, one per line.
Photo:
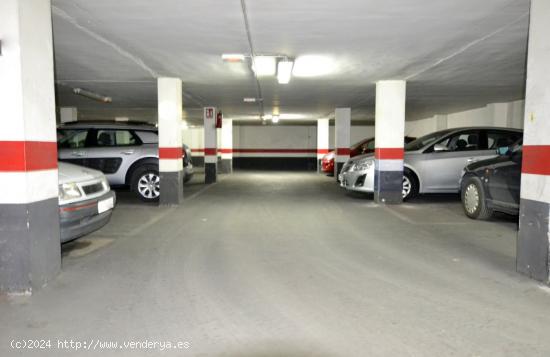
x=440 y=147
x=503 y=150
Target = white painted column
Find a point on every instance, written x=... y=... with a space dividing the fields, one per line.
x=389 y=141
x=226 y=164
x=498 y=113
x=170 y=143
x=533 y=239
x=441 y=122
x=322 y=140
x=68 y=115
x=29 y=187
x=342 y=127
x=210 y=145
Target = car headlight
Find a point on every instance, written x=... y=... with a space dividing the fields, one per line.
x=362 y=165
x=69 y=191
x=105 y=183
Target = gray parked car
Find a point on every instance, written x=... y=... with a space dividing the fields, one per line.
x=433 y=163
x=86 y=201
x=126 y=153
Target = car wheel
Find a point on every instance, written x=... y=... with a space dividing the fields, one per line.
x=410 y=185
x=146 y=183
x=473 y=199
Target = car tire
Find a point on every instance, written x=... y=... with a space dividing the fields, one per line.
x=473 y=199
x=145 y=183
x=410 y=185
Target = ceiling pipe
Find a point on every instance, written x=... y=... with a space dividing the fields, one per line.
x=92 y=95
x=252 y=55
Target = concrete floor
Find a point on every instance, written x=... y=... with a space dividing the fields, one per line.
x=286 y=264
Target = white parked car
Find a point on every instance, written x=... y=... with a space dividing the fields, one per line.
x=85 y=201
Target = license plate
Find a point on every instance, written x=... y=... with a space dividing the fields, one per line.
x=105 y=205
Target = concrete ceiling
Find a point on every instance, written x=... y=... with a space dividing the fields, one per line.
x=454 y=54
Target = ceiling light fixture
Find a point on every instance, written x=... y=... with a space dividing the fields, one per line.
x=284 y=71
x=264 y=66
x=314 y=66
x=92 y=95
x=233 y=57
x=252 y=100
x=275 y=119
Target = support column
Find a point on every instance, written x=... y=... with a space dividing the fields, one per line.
x=322 y=140
x=210 y=145
x=498 y=114
x=389 y=139
x=226 y=163
x=170 y=141
x=68 y=115
x=532 y=244
x=30 y=254
x=441 y=122
x=342 y=138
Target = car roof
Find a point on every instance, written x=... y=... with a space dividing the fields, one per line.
x=108 y=124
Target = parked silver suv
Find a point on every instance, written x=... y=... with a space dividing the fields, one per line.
x=126 y=153
x=433 y=163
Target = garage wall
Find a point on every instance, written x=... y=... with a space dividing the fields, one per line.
x=273 y=146
x=508 y=114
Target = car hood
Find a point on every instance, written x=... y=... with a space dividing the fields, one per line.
x=361 y=157
x=74 y=173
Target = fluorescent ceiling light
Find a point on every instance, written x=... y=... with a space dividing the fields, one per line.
x=249 y=100
x=233 y=57
x=264 y=66
x=275 y=119
x=313 y=66
x=284 y=71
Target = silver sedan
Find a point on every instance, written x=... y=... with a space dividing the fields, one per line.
x=433 y=163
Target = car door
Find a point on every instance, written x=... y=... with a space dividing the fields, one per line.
x=441 y=164
x=504 y=179
x=112 y=151
x=72 y=145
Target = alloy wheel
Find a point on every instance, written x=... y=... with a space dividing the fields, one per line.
x=407 y=186
x=471 y=198
x=149 y=185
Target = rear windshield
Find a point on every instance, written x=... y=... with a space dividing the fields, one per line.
x=425 y=140
x=148 y=137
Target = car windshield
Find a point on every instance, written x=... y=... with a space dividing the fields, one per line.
x=359 y=143
x=425 y=140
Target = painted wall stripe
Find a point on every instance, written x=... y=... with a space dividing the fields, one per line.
x=170 y=165
x=210 y=151
x=170 y=153
x=389 y=153
x=388 y=165
x=225 y=151
x=20 y=156
x=536 y=160
x=322 y=151
x=535 y=187
x=28 y=187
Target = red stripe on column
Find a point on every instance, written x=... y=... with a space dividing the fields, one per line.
x=210 y=151
x=343 y=151
x=27 y=155
x=536 y=160
x=322 y=151
x=389 y=153
x=226 y=151
x=170 y=153
x=197 y=150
